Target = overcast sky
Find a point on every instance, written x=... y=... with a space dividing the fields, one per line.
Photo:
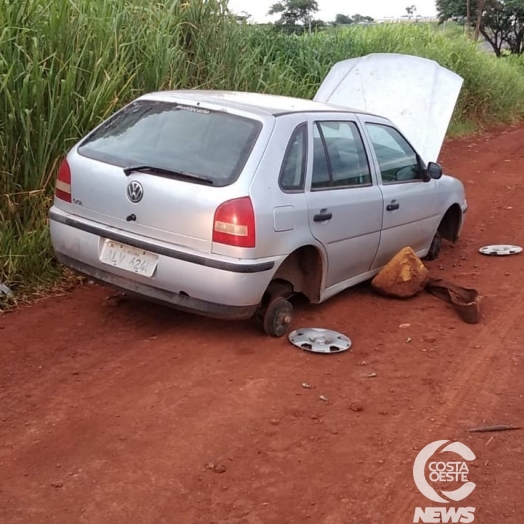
x=330 y=8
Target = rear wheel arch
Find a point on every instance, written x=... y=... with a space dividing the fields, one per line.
x=303 y=270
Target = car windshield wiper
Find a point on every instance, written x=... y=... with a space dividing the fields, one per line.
x=168 y=173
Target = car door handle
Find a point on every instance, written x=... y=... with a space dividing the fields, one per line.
x=393 y=207
x=323 y=216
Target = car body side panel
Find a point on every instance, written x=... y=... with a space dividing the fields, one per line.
x=351 y=237
x=414 y=223
x=282 y=217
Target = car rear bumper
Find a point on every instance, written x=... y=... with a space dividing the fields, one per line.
x=216 y=287
x=181 y=302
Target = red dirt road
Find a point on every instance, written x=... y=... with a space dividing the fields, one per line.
x=122 y=412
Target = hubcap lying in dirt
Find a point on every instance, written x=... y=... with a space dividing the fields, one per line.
x=500 y=250
x=320 y=340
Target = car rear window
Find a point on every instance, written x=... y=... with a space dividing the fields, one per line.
x=176 y=137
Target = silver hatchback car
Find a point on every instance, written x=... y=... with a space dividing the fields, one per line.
x=227 y=204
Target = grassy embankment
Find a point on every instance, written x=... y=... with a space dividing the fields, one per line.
x=65 y=66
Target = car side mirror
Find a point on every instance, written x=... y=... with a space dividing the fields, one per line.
x=434 y=171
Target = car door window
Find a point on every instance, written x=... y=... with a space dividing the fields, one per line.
x=293 y=172
x=397 y=160
x=339 y=156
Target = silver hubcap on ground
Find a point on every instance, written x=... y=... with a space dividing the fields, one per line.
x=320 y=340
x=500 y=250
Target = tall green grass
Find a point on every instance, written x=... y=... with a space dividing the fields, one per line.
x=493 y=90
x=65 y=66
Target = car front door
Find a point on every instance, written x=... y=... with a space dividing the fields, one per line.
x=344 y=200
x=410 y=213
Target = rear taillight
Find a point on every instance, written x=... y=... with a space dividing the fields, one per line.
x=63 y=182
x=234 y=223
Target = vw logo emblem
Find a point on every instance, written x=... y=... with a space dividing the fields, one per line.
x=135 y=191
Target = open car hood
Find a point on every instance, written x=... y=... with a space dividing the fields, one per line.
x=417 y=94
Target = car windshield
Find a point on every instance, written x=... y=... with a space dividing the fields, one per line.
x=186 y=139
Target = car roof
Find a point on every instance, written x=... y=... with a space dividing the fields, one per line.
x=252 y=102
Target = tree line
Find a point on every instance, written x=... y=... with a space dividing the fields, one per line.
x=297 y=16
x=500 y=22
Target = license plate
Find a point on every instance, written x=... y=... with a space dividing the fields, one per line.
x=129 y=258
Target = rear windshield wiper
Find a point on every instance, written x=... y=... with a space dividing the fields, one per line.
x=168 y=173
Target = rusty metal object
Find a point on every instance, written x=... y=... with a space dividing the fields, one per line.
x=466 y=301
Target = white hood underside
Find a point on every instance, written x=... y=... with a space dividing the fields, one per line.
x=416 y=94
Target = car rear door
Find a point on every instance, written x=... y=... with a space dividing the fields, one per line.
x=344 y=200
x=411 y=212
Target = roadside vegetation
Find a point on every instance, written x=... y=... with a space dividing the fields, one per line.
x=65 y=66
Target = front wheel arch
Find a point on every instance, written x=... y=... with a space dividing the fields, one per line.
x=450 y=224
x=448 y=229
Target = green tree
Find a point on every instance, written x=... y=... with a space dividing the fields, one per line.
x=410 y=10
x=243 y=16
x=359 y=19
x=343 y=20
x=500 y=22
x=294 y=13
x=318 y=25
